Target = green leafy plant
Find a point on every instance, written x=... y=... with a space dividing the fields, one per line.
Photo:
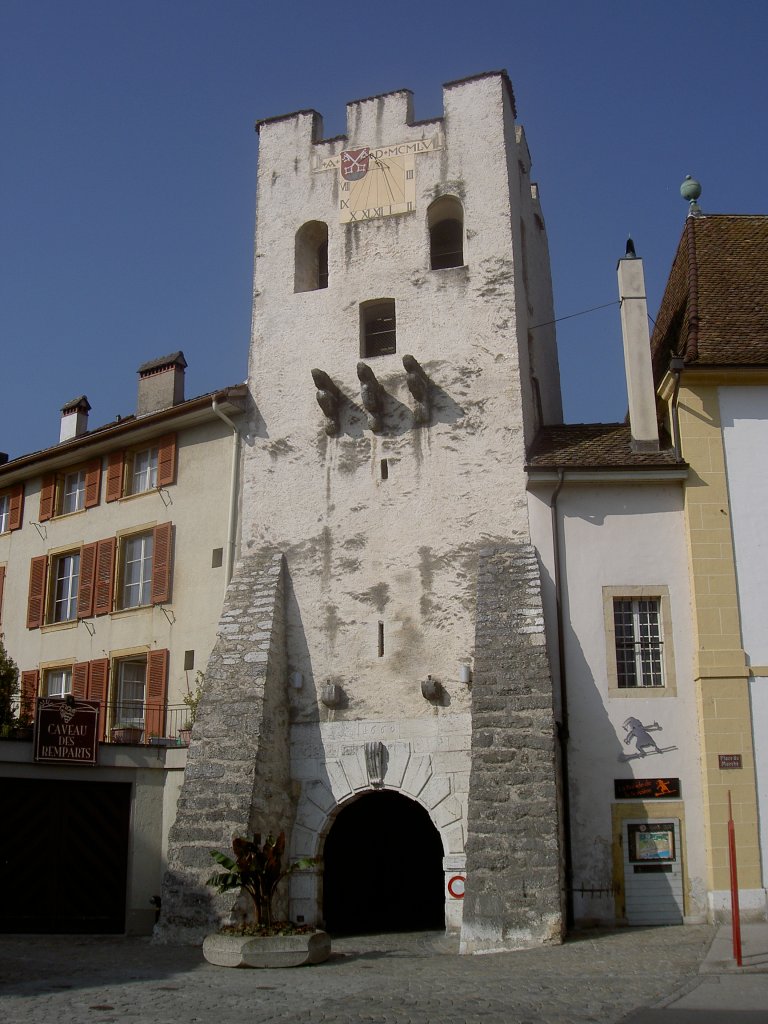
x=257 y=869
x=9 y=687
x=192 y=699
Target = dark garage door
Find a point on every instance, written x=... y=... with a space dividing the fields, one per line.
x=63 y=856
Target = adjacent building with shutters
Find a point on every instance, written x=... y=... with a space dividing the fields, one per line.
x=116 y=546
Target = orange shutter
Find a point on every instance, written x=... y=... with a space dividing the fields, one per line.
x=115 y=476
x=98 y=683
x=157 y=689
x=16 y=510
x=86 y=584
x=2 y=585
x=47 y=497
x=161 y=563
x=166 y=460
x=80 y=680
x=38 y=575
x=30 y=683
x=92 y=483
x=105 y=576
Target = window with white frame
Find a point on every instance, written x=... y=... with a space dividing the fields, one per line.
x=136 y=570
x=65 y=578
x=130 y=692
x=5 y=512
x=58 y=682
x=73 y=492
x=142 y=471
x=639 y=642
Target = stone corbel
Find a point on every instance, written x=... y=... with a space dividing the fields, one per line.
x=376 y=758
x=419 y=385
x=371 y=395
x=329 y=399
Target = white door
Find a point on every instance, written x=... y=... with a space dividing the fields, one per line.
x=653 y=872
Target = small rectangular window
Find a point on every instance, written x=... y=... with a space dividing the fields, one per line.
x=378 y=329
x=65 y=579
x=5 y=512
x=217 y=558
x=142 y=471
x=639 y=642
x=130 y=692
x=58 y=682
x=136 y=570
x=73 y=492
x=189 y=660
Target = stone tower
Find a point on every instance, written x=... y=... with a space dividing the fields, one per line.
x=397 y=380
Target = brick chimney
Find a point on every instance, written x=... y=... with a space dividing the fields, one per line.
x=74 y=418
x=643 y=423
x=161 y=383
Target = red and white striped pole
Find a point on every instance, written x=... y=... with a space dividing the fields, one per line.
x=735 y=916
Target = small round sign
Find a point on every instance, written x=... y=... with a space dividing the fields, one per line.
x=456 y=887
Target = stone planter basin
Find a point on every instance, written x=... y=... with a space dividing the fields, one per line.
x=266 y=950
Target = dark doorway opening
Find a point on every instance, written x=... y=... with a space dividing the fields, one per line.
x=64 y=856
x=383 y=868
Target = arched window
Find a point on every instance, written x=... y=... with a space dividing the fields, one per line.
x=311 y=268
x=378 y=335
x=445 y=218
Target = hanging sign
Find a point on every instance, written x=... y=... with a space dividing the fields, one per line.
x=66 y=731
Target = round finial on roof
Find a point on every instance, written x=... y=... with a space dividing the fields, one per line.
x=690 y=189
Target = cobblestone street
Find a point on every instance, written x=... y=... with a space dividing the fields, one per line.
x=599 y=977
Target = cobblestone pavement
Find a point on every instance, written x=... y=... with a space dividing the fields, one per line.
x=599 y=977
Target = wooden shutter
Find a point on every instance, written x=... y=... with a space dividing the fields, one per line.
x=98 y=685
x=80 y=679
x=166 y=460
x=38 y=577
x=105 y=576
x=16 y=510
x=92 y=483
x=157 y=689
x=87 y=583
x=47 y=497
x=2 y=587
x=161 y=563
x=115 y=465
x=30 y=684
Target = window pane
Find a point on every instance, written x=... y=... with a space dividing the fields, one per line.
x=58 y=682
x=67 y=576
x=5 y=509
x=130 y=693
x=137 y=571
x=73 y=496
x=144 y=471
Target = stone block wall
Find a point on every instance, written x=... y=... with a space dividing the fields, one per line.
x=514 y=866
x=237 y=778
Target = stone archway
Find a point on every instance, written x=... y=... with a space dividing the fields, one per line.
x=383 y=867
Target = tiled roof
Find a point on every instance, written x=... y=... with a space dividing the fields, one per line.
x=594 y=446
x=715 y=306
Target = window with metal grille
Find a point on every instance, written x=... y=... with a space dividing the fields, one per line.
x=378 y=328
x=639 y=642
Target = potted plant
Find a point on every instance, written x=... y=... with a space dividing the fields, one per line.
x=261 y=942
x=126 y=733
x=192 y=700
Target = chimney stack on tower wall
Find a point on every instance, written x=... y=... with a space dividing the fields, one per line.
x=643 y=423
x=161 y=383
x=74 y=418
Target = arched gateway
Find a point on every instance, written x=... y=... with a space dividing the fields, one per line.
x=382 y=867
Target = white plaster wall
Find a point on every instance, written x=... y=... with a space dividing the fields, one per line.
x=402 y=551
x=745 y=436
x=744 y=419
x=620 y=535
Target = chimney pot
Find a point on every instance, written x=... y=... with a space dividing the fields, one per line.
x=161 y=383
x=74 y=418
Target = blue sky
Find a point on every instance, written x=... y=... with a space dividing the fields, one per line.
x=127 y=177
